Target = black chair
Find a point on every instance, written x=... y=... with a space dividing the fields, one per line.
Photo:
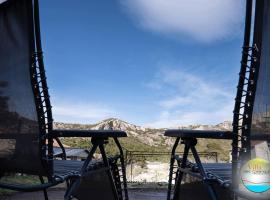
x=26 y=124
x=250 y=120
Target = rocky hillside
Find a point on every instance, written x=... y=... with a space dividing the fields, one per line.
x=117 y=124
x=148 y=139
x=148 y=136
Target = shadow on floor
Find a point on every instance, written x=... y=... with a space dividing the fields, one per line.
x=189 y=192
x=56 y=194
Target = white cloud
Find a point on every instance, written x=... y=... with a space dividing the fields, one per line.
x=203 y=20
x=81 y=112
x=1 y=1
x=178 y=100
x=190 y=89
x=188 y=99
x=176 y=118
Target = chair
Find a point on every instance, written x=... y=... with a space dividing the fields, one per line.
x=26 y=124
x=251 y=123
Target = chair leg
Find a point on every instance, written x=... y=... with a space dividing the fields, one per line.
x=75 y=183
x=212 y=192
x=106 y=164
x=172 y=168
x=170 y=177
x=180 y=175
x=208 y=185
x=123 y=170
x=123 y=167
x=44 y=191
x=67 y=183
x=117 y=179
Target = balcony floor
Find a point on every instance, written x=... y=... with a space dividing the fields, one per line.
x=189 y=193
x=58 y=194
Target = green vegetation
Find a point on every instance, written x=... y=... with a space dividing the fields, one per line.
x=147 y=139
x=18 y=179
x=222 y=147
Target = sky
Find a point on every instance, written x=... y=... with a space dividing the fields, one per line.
x=154 y=63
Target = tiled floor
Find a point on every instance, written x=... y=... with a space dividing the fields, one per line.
x=188 y=193
x=134 y=194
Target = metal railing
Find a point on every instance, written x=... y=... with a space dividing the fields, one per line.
x=153 y=167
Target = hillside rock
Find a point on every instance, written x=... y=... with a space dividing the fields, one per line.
x=148 y=136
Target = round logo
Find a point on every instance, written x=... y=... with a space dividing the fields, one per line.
x=255 y=175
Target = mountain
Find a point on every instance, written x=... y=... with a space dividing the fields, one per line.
x=118 y=124
x=224 y=126
x=148 y=136
x=149 y=139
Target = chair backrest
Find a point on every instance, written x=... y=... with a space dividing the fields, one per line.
x=22 y=145
x=260 y=126
x=252 y=114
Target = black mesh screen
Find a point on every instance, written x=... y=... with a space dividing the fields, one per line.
x=261 y=111
x=19 y=130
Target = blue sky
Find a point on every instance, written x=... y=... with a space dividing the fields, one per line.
x=155 y=63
